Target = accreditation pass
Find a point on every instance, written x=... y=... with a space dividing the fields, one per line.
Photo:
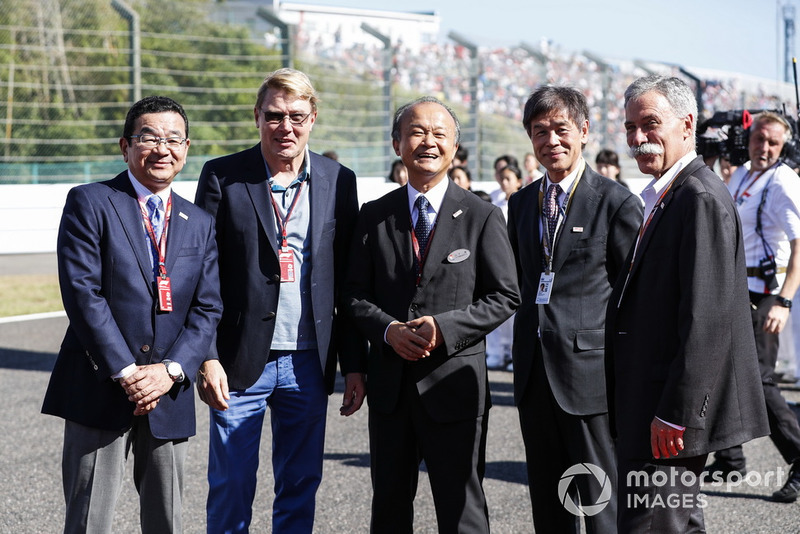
x=545 y=287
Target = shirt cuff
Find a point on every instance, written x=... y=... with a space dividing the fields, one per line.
x=677 y=427
x=125 y=372
x=386 y=332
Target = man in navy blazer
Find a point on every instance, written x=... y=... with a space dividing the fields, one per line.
x=142 y=313
x=559 y=341
x=284 y=218
x=681 y=358
x=429 y=276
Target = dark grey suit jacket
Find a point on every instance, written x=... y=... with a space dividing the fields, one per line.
x=108 y=292
x=681 y=343
x=234 y=189
x=595 y=237
x=468 y=296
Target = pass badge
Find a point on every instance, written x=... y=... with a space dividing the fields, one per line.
x=164 y=294
x=286 y=260
x=545 y=287
x=458 y=255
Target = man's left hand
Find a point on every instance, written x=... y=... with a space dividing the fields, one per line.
x=146 y=385
x=427 y=328
x=776 y=319
x=665 y=440
x=354 y=392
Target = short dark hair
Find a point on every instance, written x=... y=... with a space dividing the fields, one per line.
x=549 y=98
x=398 y=116
x=607 y=157
x=510 y=160
x=462 y=153
x=152 y=104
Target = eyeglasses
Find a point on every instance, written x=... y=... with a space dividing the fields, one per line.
x=152 y=141
x=272 y=117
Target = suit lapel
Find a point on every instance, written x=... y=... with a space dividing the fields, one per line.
x=126 y=205
x=532 y=218
x=448 y=220
x=584 y=204
x=178 y=223
x=320 y=200
x=258 y=189
x=399 y=226
x=660 y=208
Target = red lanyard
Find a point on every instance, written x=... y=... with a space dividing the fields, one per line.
x=745 y=193
x=160 y=246
x=283 y=222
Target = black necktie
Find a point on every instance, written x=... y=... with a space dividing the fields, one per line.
x=423 y=227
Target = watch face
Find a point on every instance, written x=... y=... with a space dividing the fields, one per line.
x=173 y=369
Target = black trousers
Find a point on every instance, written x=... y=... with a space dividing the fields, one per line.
x=555 y=441
x=783 y=426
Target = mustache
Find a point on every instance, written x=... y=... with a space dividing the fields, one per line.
x=646 y=149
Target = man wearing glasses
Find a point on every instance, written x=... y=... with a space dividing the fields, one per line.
x=138 y=272
x=285 y=216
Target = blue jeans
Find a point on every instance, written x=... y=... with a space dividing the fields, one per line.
x=292 y=385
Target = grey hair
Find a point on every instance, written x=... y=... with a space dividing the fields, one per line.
x=398 y=116
x=678 y=94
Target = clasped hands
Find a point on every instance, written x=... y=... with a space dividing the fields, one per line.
x=665 y=440
x=416 y=339
x=146 y=385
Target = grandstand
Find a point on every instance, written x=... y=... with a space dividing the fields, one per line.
x=69 y=69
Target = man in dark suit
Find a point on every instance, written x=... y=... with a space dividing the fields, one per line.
x=428 y=278
x=682 y=368
x=284 y=218
x=559 y=344
x=138 y=271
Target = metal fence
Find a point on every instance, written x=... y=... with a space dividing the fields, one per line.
x=70 y=69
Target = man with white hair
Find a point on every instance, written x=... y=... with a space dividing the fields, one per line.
x=681 y=363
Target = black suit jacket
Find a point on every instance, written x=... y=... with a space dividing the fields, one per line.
x=467 y=294
x=680 y=335
x=235 y=190
x=595 y=237
x=108 y=292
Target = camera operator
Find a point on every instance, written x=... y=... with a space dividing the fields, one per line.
x=767 y=194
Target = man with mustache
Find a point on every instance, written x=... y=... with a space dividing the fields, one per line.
x=681 y=362
x=767 y=195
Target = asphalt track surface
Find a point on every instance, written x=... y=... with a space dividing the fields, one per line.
x=31 y=499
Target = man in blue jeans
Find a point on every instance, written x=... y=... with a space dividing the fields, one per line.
x=279 y=209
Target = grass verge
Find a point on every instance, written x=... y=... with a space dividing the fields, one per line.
x=29 y=293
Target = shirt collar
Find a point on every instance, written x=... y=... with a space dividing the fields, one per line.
x=142 y=193
x=435 y=195
x=657 y=185
x=304 y=175
x=567 y=183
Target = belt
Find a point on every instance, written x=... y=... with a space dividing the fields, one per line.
x=756 y=271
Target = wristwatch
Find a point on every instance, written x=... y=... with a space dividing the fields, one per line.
x=786 y=303
x=174 y=370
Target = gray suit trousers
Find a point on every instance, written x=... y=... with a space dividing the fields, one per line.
x=93 y=467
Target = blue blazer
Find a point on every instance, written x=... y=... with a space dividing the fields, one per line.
x=108 y=292
x=234 y=189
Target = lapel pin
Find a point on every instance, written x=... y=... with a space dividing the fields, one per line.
x=183 y=216
x=577 y=229
x=456 y=214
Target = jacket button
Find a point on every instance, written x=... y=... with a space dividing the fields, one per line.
x=145 y=348
x=271 y=315
x=276 y=278
x=414 y=307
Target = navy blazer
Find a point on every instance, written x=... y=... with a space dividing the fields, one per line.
x=680 y=338
x=468 y=285
x=595 y=237
x=109 y=295
x=234 y=189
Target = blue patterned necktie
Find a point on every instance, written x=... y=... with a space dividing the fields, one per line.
x=154 y=204
x=423 y=227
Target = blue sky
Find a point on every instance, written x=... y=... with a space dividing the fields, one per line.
x=732 y=35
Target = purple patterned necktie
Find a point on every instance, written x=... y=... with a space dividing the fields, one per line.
x=551 y=212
